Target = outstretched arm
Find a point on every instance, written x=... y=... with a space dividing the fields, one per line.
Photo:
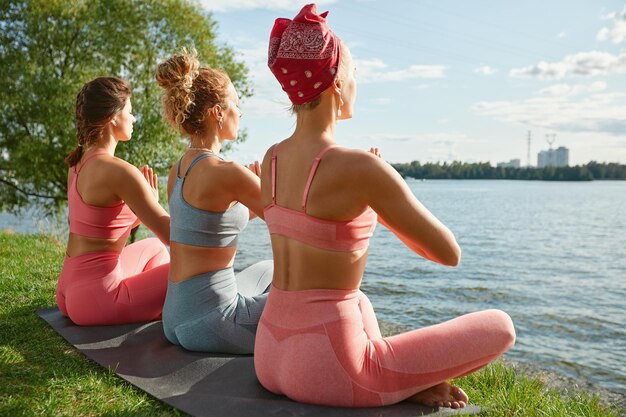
x=398 y=210
x=246 y=185
x=255 y=168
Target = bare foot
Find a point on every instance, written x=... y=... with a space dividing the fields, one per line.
x=442 y=395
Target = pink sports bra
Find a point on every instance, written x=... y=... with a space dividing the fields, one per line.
x=94 y=221
x=332 y=235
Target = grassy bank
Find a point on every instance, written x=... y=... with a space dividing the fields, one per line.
x=41 y=374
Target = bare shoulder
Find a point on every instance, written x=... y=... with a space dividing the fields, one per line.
x=229 y=166
x=113 y=173
x=232 y=172
x=118 y=169
x=268 y=155
x=358 y=162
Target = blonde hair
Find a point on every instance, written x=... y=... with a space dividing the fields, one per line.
x=345 y=65
x=190 y=91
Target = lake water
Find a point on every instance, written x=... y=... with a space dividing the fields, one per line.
x=551 y=254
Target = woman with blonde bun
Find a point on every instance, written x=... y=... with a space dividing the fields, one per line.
x=318 y=340
x=103 y=281
x=207 y=307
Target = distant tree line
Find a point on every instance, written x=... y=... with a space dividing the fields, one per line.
x=485 y=171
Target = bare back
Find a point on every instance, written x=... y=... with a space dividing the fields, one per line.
x=106 y=181
x=93 y=190
x=345 y=184
x=212 y=185
x=332 y=196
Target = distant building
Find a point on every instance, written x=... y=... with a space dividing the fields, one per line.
x=562 y=156
x=545 y=159
x=553 y=158
x=513 y=163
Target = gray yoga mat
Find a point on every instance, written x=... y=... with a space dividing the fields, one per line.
x=201 y=384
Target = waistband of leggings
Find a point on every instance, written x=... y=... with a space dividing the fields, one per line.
x=92 y=255
x=305 y=308
x=202 y=276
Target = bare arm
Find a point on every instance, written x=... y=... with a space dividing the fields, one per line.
x=152 y=180
x=255 y=168
x=171 y=180
x=398 y=210
x=138 y=189
x=246 y=186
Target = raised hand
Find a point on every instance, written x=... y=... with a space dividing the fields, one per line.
x=152 y=179
x=255 y=167
x=375 y=152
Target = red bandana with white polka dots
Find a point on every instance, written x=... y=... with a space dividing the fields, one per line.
x=304 y=54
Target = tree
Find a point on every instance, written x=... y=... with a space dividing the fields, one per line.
x=50 y=48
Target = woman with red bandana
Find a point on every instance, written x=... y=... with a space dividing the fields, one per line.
x=318 y=340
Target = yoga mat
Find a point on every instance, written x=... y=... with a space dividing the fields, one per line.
x=201 y=384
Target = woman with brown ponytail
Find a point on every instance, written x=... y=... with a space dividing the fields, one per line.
x=208 y=307
x=103 y=281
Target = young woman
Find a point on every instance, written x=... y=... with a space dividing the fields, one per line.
x=103 y=281
x=208 y=307
x=318 y=340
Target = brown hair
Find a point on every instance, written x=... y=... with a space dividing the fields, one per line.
x=345 y=64
x=190 y=91
x=96 y=104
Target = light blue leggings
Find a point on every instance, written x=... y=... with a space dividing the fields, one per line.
x=217 y=311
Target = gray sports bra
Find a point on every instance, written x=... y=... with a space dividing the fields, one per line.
x=192 y=226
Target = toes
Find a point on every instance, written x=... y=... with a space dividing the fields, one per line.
x=459 y=394
x=457 y=404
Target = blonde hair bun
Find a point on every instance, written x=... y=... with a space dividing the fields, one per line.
x=176 y=75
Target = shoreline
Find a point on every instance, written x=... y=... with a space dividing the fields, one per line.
x=566 y=384
x=552 y=379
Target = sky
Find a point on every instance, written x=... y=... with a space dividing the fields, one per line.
x=444 y=80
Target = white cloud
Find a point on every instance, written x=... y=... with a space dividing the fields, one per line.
x=572 y=90
x=596 y=87
x=225 y=6
x=268 y=100
x=597 y=112
x=557 y=90
x=617 y=33
x=562 y=35
x=380 y=101
x=485 y=70
x=445 y=138
x=426 y=147
x=375 y=70
x=581 y=64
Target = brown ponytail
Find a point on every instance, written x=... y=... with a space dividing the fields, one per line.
x=97 y=102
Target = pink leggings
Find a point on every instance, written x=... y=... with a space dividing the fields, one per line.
x=114 y=288
x=325 y=347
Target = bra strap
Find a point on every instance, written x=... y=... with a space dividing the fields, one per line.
x=195 y=160
x=274 y=173
x=87 y=159
x=316 y=163
x=178 y=167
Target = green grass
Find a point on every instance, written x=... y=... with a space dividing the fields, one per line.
x=41 y=374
